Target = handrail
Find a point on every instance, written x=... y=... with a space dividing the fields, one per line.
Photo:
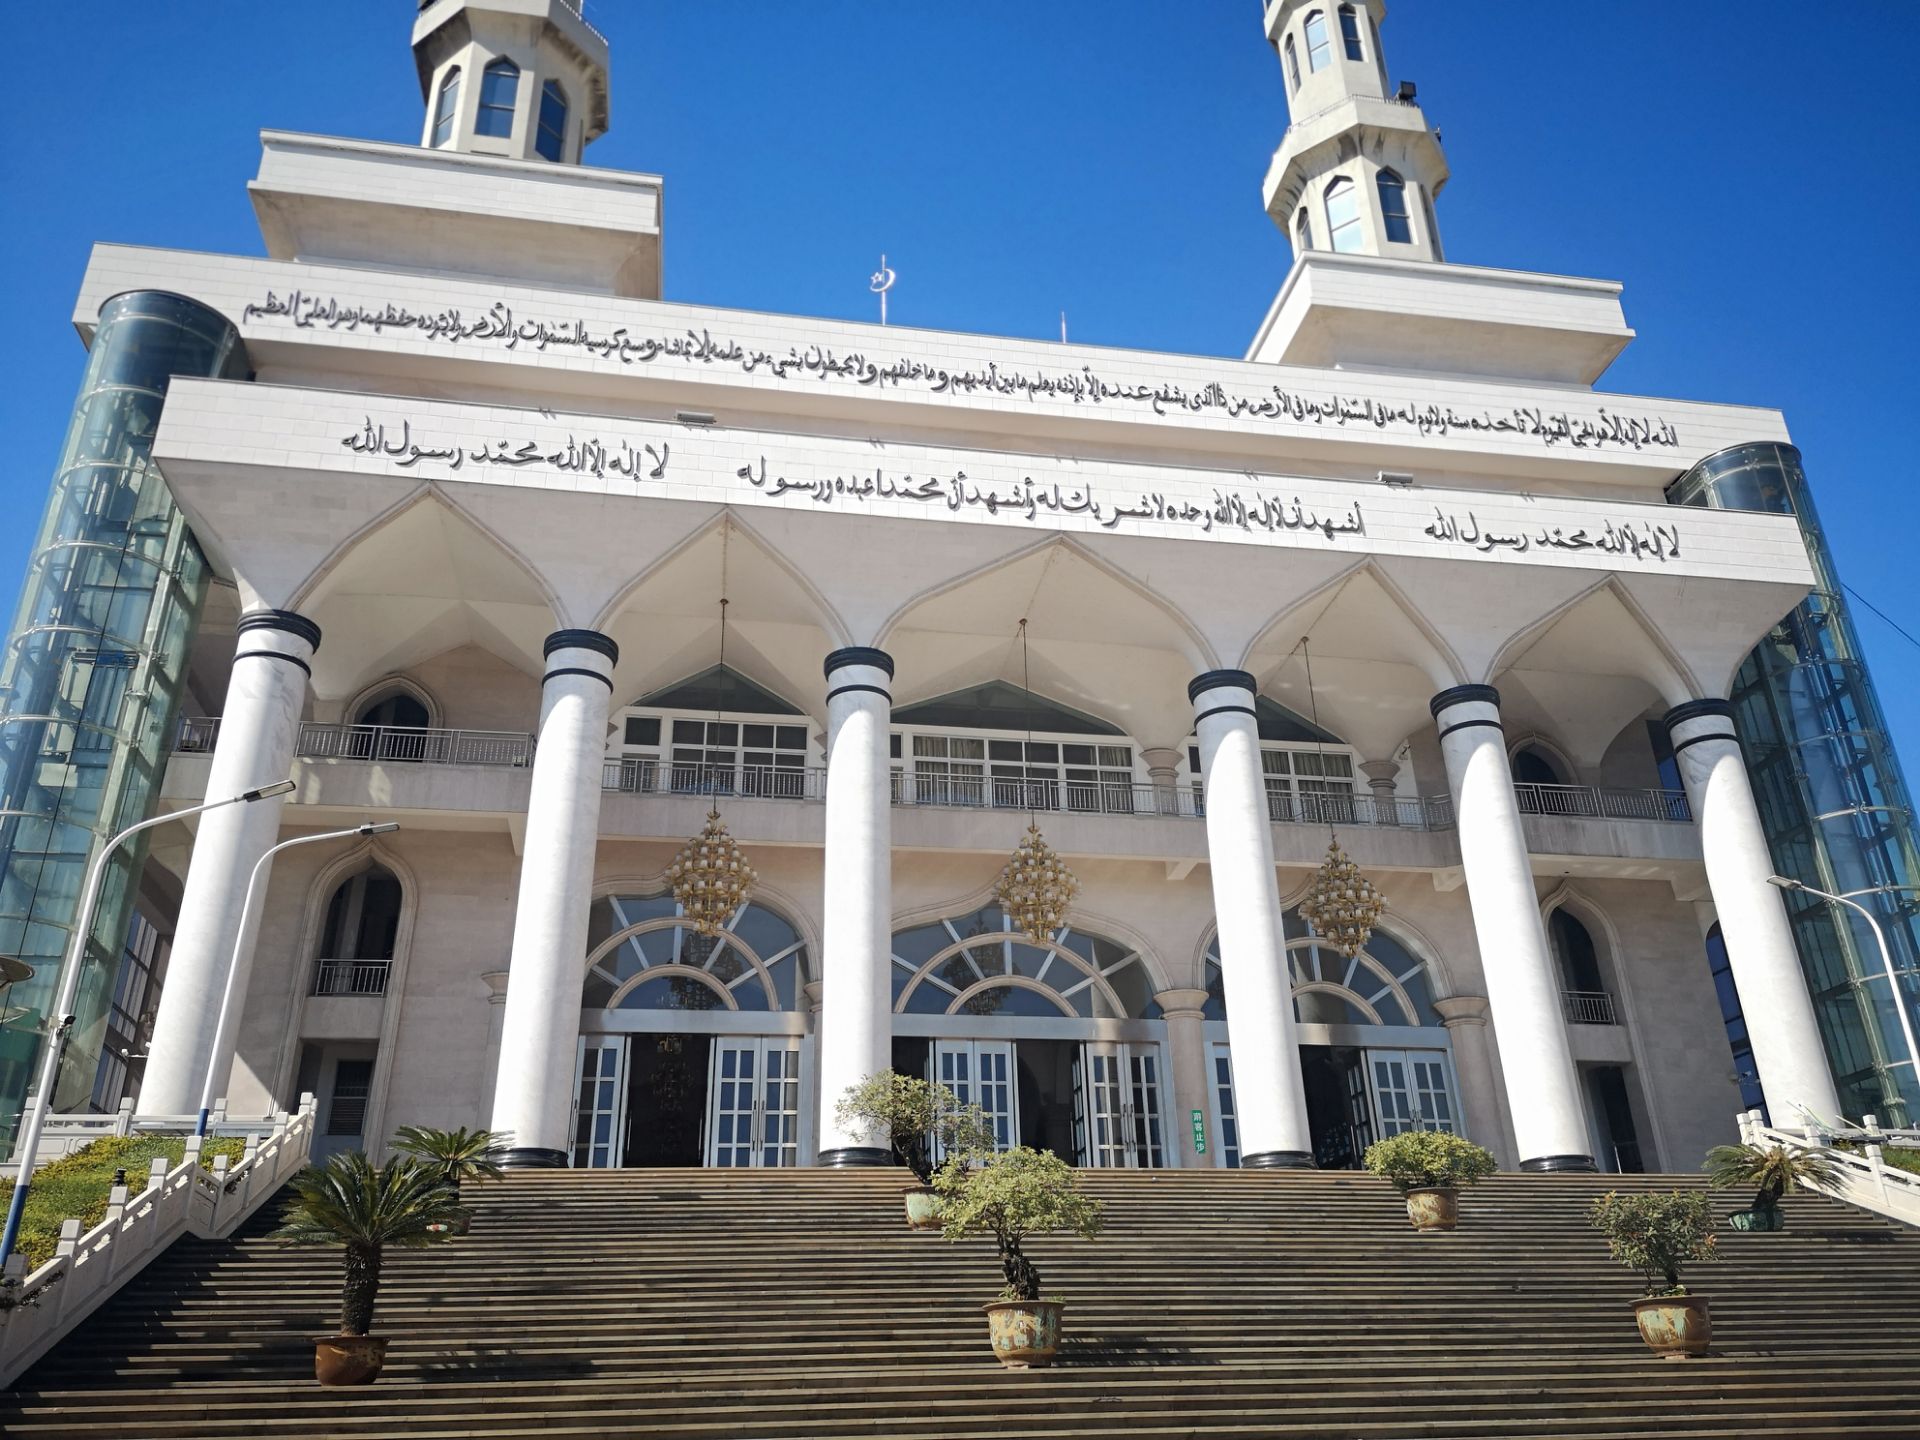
x=1589 y=1007
x=1862 y=1177
x=87 y=1269
x=350 y=977
x=1602 y=802
x=394 y=744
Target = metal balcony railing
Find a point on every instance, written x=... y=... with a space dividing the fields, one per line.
x=389 y=744
x=1595 y=802
x=639 y=776
x=1589 y=1007
x=350 y=977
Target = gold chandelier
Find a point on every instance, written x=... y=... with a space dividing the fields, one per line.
x=1036 y=887
x=1342 y=904
x=710 y=877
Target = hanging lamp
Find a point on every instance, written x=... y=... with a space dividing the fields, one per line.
x=710 y=877
x=1341 y=904
x=1036 y=887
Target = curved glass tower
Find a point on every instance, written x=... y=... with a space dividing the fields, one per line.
x=91 y=677
x=1831 y=795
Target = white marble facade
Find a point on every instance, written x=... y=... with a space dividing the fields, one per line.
x=503 y=481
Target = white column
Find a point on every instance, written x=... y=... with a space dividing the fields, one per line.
x=533 y=1086
x=1267 y=1088
x=1787 y=1049
x=856 y=934
x=1523 y=982
x=259 y=728
x=1186 y=1017
x=1465 y=1018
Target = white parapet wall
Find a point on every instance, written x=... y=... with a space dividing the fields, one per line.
x=45 y=1305
x=1863 y=1176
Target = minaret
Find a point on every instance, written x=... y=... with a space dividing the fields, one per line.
x=522 y=79
x=1359 y=168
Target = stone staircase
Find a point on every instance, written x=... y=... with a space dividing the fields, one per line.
x=703 y=1303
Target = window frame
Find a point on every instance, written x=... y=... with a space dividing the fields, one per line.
x=446 y=109
x=1343 y=186
x=1350 y=34
x=1392 y=188
x=552 y=91
x=1103 y=784
x=1292 y=56
x=1303 y=230
x=1325 y=49
x=487 y=111
x=782 y=774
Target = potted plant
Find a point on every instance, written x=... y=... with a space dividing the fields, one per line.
x=1011 y=1196
x=1772 y=1171
x=352 y=1203
x=1657 y=1235
x=1430 y=1168
x=916 y=1116
x=457 y=1155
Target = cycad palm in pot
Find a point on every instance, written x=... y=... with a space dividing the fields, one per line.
x=458 y=1155
x=1772 y=1171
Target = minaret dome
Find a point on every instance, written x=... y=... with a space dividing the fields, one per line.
x=521 y=79
x=1360 y=168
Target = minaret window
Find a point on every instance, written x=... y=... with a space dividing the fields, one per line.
x=499 y=92
x=552 y=139
x=1319 y=48
x=1343 y=216
x=1350 y=32
x=445 y=105
x=1393 y=208
x=1302 y=231
x=1293 y=66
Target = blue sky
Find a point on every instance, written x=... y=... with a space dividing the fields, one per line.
x=1744 y=166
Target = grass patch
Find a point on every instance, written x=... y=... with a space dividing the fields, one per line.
x=79 y=1184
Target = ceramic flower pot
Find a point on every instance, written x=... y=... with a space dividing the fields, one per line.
x=1675 y=1326
x=1025 y=1333
x=349 y=1359
x=923 y=1208
x=1758 y=1218
x=1434 y=1208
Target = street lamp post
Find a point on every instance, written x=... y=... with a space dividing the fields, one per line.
x=239 y=943
x=1886 y=963
x=59 y=1017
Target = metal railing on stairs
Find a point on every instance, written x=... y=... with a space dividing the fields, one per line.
x=1864 y=1177
x=179 y=1200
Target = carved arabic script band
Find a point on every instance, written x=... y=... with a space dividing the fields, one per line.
x=497 y=325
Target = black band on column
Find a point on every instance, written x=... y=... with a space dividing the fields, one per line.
x=280 y=620
x=1464 y=695
x=581 y=640
x=855 y=1157
x=1472 y=725
x=1560 y=1164
x=859 y=655
x=1278 y=1160
x=605 y=680
x=1220 y=680
x=879 y=690
x=1226 y=710
x=1699 y=710
x=530 y=1157
x=274 y=655
x=1687 y=744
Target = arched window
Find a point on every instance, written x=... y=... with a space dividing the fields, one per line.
x=551 y=141
x=392 y=727
x=1580 y=972
x=445 y=105
x=357 y=940
x=1302 y=232
x=1343 y=216
x=1532 y=767
x=1293 y=66
x=1350 y=32
x=499 y=93
x=1393 y=208
x=976 y=965
x=643 y=956
x=1319 y=48
x=1385 y=984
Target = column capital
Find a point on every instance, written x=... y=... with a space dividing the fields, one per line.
x=1380 y=772
x=581 y=640
x=285 y=621
x=1459 y=1010
x=859 y=655
x=1182 y=1004
x=1221 y=680
x=1464 y=695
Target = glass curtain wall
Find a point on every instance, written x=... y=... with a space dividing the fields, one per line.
x=91 y=677
x=1830 y=792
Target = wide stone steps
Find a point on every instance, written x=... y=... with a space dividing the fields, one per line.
x=796 y=1304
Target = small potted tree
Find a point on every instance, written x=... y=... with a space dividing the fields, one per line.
x=1430 y=1168
x=365 y=1209
x=1658 y=1235
x=1772 y=1171
x=917 y=1116
x=457 y=1155
x=1011 y=1196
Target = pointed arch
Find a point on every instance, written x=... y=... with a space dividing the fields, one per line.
x=388 y=685
x=1665 y=672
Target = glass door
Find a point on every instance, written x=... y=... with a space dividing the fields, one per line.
x=981 y=1072
x=599 y=1102
x=1411 y=1090
x=1117 y=1088
x=753 y=1105
x=1226 y=1117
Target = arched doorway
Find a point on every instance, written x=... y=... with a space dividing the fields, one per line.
x=1060 y=1043
x=393 y=726
x=358 y=936
x=693 y=1048
x=1374 y=1057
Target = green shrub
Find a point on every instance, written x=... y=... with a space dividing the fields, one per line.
x=912 y=1113
x=1010 y=1196
x=79 y=1184
x=1428 y=1159
x=1656 y=1234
